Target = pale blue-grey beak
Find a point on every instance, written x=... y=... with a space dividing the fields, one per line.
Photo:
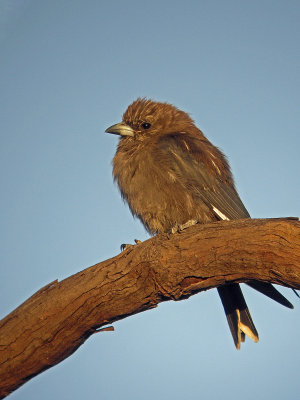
x=120 y=129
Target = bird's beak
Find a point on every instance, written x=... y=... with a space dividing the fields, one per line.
x=120 y=129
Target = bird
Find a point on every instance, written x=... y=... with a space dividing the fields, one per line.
x=172 y=177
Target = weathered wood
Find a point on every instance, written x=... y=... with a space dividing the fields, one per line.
x=56 y=320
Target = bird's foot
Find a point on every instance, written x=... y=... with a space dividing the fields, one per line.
x=126 y=246
x=180 y=227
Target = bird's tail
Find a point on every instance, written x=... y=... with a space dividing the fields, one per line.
x=268 y=290
x=237 y=313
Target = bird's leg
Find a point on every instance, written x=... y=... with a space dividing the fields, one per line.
x=126 y=246
x=180 y=227
x=189 y=223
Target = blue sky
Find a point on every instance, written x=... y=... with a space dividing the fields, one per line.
x=68 y=70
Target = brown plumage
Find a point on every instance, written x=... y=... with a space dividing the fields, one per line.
x=170 y=175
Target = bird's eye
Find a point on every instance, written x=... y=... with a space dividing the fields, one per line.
x=146 y=125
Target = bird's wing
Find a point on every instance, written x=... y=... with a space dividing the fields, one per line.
x=185 y=155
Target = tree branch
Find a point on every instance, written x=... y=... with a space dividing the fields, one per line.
x=56 y=320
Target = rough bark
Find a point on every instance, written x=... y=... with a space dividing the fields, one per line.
x=56 y=320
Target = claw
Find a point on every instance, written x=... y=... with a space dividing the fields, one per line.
x=180 y=227
x=126 y=246
x=189 y=223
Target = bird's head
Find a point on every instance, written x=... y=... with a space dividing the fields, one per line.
x=145 y=117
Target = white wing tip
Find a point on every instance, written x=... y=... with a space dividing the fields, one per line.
x=220 y=214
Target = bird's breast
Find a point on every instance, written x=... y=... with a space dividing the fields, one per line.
x=152 y=188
